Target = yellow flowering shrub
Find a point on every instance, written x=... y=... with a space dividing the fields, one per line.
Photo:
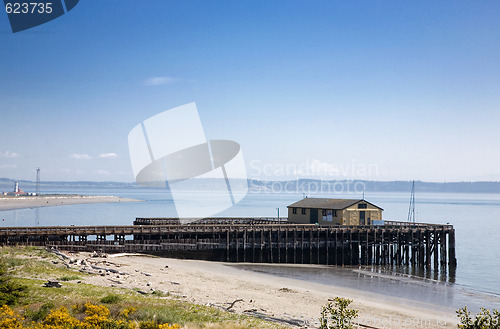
x=97 y=317
x=100 y=311
x=9 y=319
x=127 y=311
x=60 y=318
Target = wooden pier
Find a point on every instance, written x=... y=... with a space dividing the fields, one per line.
x=256 y=240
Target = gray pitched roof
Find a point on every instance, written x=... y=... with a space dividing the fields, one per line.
x=326 y=203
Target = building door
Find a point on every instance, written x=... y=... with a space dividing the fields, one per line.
x=313 y=215
x=362 y=217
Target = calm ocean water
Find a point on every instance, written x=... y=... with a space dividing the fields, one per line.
x=476 y=218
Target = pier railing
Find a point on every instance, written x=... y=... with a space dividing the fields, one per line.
x=158 y=221
x=200 y=227
x=211 y=220
x=390 y=223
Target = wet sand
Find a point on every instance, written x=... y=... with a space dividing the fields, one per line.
x=293 y=301
x=10 y=203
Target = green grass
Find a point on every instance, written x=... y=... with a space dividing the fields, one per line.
x=70 y=278
x=111 y=299
x=32 y=267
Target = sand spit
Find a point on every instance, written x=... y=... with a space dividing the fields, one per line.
x=10 y=203
x=292 y=302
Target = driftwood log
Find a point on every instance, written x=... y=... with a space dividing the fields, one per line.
x=232 y=304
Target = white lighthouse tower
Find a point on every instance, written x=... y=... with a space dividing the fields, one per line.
x=16 y=187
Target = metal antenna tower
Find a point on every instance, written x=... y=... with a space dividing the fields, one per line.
x=37 y=181
x=411 y=210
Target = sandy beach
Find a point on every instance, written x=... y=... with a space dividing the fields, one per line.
x=9 y=203
x=297 y=303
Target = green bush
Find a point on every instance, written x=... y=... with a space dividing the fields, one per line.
x=160 y=293
x=115 y=325
x=337 y=315
x=41 y=313
x=483 y=320
x=111 y=299
x=10 y=291
x=69 y=278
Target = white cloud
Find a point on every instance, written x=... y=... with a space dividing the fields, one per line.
x=9 y=154
x=78 y=156
x=158 y=81
x=7 y=166
x=108 y=155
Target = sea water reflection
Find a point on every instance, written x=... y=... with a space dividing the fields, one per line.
x=407 y=289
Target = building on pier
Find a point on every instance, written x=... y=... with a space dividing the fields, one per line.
x=325 y=211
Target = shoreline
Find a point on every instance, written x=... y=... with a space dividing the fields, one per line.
x=27 y=202
x=293 y=301
x=409 y=290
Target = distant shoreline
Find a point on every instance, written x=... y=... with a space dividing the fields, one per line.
x=26 y=202
x=299 y=185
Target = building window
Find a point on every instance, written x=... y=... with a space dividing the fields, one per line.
x=323 y=212
x=334 y=213
x=362 y=205
x=294 y=211
x=303 y=211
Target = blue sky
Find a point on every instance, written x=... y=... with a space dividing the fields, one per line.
x=378 y=90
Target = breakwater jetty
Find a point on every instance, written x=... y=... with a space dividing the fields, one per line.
x=258 y=240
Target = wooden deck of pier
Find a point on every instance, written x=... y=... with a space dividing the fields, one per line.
x=256 y=240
